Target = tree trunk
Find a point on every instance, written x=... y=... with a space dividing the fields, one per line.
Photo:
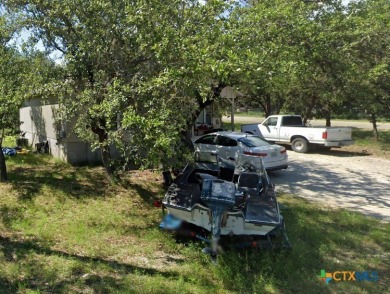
x=105 y=151
x=186 y=138
x=374 y=126
x=327 y=117
x=3 y=167
x=266 y=105
x=308 y=112
x=107 y=161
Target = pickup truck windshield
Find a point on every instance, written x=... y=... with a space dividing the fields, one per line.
x=253 y=141
x=292 y=121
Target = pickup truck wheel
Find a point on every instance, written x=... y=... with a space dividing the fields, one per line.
x=300 y=145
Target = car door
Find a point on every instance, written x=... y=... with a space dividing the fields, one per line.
x=269 y=129
x=206 y=144
x=227 y=148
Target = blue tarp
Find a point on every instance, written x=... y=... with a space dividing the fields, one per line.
x=9 y=151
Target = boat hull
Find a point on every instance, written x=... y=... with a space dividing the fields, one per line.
x=233 y=222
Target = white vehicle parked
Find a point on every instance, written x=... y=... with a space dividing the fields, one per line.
x=290 y=129
x=229 y=145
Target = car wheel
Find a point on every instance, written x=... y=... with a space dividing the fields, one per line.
x=300 y=145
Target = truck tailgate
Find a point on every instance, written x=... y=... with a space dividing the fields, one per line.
x=339 y=134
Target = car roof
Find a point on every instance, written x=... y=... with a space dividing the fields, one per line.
x=233 y=135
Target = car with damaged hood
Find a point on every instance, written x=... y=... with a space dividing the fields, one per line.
x=230 y=145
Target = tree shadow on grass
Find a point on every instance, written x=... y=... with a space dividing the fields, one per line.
x=147 y=194
x=32 y=173
x=105 y=282
x=9 y=214
x=29 y=181
x=9 y=286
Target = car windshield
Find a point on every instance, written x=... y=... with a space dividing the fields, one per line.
x=253 y=141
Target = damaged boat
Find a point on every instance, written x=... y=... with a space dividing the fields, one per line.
x=213 y=198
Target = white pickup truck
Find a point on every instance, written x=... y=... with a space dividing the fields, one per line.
x=290 y=129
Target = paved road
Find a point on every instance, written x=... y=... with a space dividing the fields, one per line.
x=339 y=179
x=335 y=123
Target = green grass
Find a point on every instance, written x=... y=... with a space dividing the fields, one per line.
x=227 y=126
x=67 y=230
x=250 y=113
x=9 y=141
x=365 y=142
x=366 y=138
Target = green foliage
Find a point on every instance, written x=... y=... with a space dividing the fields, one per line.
x=135 y=76
x=368 y=54
x=263 y=56
x=136 y=73
x=11 y=84
x=24 y=75
x=310 y=57
x=11 y=69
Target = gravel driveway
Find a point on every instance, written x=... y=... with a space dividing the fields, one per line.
x=339 y=178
